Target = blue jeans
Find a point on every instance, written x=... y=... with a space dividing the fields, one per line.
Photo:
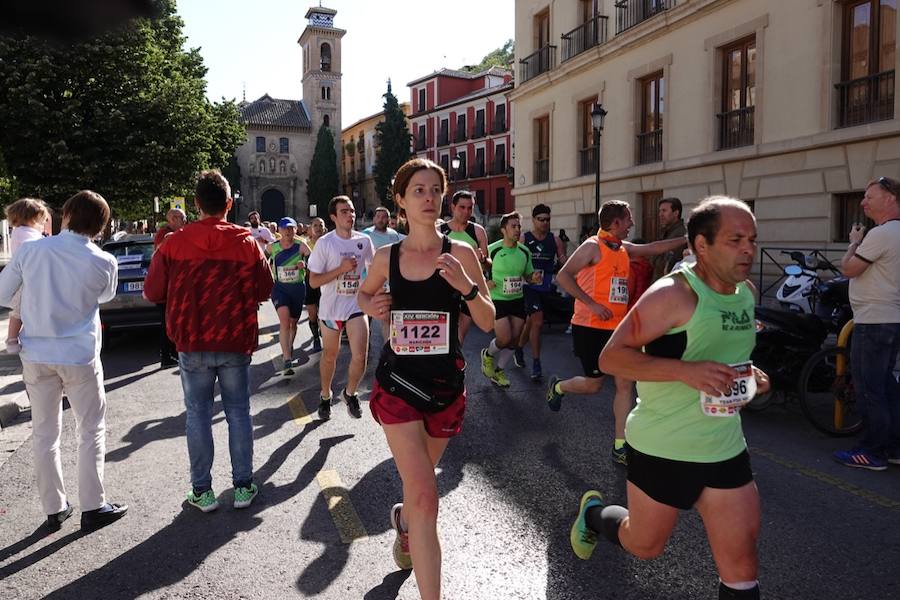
x=873 y=354
x=199 y=371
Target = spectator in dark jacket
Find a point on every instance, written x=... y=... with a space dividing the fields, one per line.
x=671 y=226
x=212 y=276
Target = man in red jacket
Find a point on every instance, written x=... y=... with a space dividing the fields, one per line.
x=212 y=276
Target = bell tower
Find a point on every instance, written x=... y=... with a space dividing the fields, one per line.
x=321 y=44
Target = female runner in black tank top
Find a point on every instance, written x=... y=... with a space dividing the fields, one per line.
x=426 y=284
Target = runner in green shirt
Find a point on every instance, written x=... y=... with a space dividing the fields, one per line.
x=687 y=342
x=511 y=268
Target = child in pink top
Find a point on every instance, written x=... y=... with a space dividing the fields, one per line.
x=28 y=217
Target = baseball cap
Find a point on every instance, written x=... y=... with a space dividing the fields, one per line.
x=287 y=222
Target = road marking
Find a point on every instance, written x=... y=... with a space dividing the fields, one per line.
x=840 y=484
x=298 y=409
x=337 y=497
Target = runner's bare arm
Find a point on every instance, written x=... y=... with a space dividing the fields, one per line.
x=586 y=255
x=654 y=248
x=304 y=248
x=669 y=303
x=481 y=238
x=467 y=273
x=371 y=296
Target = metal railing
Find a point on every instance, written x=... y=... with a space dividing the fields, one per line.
x=460 y=134
x=649 y=146
x=539 y=61
x=477 y=170
x=587 y=161
x=498 y=126
x=736 y=128
x=542 y=170
x=420 y=143
x=866 y=99
x=443 y=139
x=479 y=130
x=772 y=261
x=587 y=35
x=632 y=12
x=499 y=167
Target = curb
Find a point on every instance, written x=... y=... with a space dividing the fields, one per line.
x=10 y=409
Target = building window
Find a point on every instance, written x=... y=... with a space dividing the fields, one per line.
x=542 y=149
x=326 y=120
x=499 y=159
x=544 y=56
x=445 y=163
x=444 y=133
x=479 y=123
x=650 y=215
x=866 y=90
x=649 y=138
x=499 y=119
x=461 y=172
x=738 y=94
x=500 y=201
x=478 y=167
x=421 y=100
x=325 y=57
x=260 y=143
x=284 y=145
x=847 y=212
x=479 y=200
x=586 y=152
x=326 y=92
x=420 y=138
x=461 y=133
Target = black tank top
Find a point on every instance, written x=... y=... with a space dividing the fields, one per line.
x=432 y=294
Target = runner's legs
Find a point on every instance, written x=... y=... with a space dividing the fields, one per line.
x=331 y=345
x=287 y=330
x=649 y=523
x=358 y=336
x=731 y=518
x=622 y=404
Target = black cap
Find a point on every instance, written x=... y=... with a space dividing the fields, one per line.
x=540 y=209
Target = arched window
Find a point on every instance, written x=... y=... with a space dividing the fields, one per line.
x=282 y=167
x=326 y=92
x=262 y=166
x=325 y=56
x=327 y=120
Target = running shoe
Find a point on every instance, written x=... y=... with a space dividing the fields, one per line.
x=582 y=537
x=288 y=367
x=894 y=457
x=519 y=358
x=536 y=373
x=324 y=408
x=500 y=378
x=243 y=496
x=487 y=364
x=401 y=541
x=618 y=456
x=860 y=459
x=352 y=403
x=206 y=501
x=317 y=344
x=554 y=398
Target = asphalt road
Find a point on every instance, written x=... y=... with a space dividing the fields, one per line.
x=510 y=486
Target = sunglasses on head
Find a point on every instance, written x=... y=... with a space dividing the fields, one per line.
x=888 y=186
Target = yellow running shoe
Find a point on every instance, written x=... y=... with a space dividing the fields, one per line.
x=487 y=364
x=500 y=378
x=582 y=537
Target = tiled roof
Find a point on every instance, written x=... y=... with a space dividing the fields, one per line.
x=500 y=71
x=275 y=112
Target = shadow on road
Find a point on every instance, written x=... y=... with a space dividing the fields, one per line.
x=389 y=586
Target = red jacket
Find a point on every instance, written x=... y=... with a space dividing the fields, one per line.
x=212 y=277
x=640 y=276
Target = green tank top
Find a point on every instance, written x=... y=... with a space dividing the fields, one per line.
x=467 y=235
x=288 y=264
x=509 y=268
x=668 y=420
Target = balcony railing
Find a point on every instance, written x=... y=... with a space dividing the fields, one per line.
x=477 y=170
x=866 y=99
x=443 y=139
x=542 y=170
x=736 y=128
x=649 y=147
x=588 y=161
x=498 y=126
x=585 y=36
x=539 y=61
x=499 y=167
x=460 y=135
x=479 y=130
x=420 y=143
x=461 y=172
x=631 y=12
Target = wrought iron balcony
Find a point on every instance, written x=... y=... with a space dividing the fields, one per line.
x=585 y=36
x=588 y=161
x=420 y=143
x=443 y=139
x=477 y=170
x=632 y=12
x=866 y=99
x=736 y=128
x=542 y=170
x=499 y=167
x=539 y=61
x=498 y=126
x=479 y=130
x=649 y=146
x=460 y=135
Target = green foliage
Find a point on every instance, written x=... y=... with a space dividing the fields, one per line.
x=324 y=181
x=392 y=138
x=124 y=114
x=501 y=57
x=9 y=187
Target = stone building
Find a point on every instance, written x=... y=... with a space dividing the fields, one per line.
x=281 y=134
x=790 y=106
x=358 y=153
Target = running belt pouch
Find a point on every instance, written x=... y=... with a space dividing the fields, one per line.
x=428 y=395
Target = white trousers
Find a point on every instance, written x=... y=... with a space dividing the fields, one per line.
x=83 y=385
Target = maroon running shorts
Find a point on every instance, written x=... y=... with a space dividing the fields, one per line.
x=391 y=410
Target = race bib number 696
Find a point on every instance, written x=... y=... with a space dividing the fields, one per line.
x=728 y=404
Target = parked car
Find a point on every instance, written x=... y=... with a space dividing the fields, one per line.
x=129 y=309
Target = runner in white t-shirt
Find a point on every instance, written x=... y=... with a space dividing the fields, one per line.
x=338 y=265
x=259 y=232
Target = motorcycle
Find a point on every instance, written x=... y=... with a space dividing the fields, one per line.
x=799 y=291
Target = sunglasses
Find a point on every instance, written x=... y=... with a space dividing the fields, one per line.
x=888 y=186
x=542 y=219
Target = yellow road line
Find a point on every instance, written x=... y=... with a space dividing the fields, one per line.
x=298 y=409
x=337 y=497
x=840 y=484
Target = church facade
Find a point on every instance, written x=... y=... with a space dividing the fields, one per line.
x=275 y=157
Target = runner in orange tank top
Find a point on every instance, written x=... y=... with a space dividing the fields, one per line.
x=597 y=276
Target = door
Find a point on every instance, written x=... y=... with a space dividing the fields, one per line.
x=650 y=215
x=272 y=205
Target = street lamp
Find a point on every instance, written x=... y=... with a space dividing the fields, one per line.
x=598 y=114
x=237 y=205
x=454 y=170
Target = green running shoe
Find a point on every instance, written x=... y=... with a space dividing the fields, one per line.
x=583 y=538
x=554 y=398
x=487 y=364
x=243 y=496
x=500 y=378
x=206 y=501
x=619 y=456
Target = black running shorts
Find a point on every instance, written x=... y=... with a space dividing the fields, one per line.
x=587 y=344
x=510 y=308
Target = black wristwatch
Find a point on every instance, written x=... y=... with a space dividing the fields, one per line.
x=472 y=293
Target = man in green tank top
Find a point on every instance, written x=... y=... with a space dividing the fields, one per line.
x=687 y=342
x=460 y=228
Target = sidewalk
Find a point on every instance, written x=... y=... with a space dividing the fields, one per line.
x=13 y=399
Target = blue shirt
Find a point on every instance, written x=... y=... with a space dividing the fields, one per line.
x=379 y=239
x=543 y=257
x=64 y=279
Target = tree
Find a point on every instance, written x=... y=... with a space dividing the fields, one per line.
x=124 y=114
x=324 y=181
x=501 y=57
x=392 y=139
x=8 y=184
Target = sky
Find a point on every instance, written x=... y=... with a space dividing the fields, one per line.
x=255 y=44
